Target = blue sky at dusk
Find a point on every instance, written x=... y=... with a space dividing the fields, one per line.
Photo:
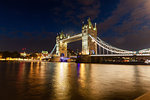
x=34 y=24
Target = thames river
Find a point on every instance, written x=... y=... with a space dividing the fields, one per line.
x=72 y=81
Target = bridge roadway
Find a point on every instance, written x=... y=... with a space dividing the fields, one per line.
x=72 y=38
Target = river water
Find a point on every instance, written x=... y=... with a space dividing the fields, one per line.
x=72 y=81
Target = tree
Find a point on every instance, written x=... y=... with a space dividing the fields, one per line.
x=34 y=55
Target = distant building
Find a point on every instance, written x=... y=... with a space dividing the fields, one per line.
x=39 y=56
x=23 y=54
x=44 y=53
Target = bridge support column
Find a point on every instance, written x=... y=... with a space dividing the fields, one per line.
x=89 y=47
x=57 y=47
x=61 y=47
x=99 y=50
x=103 y=51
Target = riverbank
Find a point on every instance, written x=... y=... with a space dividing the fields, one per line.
x=117 y=63
x=19 y=59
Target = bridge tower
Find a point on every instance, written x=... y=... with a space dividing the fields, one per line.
x=61 y=47
x=88 y=46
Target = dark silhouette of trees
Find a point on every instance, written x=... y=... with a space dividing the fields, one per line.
x=14 y=54
x=34 y=55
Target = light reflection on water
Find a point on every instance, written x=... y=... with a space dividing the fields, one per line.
x=71 y=81
x=61 y=84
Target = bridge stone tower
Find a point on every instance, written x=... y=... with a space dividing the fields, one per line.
x=88 y=46
x=61 y=47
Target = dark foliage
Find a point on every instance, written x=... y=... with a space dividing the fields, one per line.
x=14 y=54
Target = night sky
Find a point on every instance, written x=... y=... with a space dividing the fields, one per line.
x=34 y=24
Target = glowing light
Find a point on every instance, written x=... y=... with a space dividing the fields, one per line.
x=61 y=83
x=89 y=27
x=82 y=74
x=93 y=40
x=63 y=59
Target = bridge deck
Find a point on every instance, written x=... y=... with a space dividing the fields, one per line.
x=72 y=38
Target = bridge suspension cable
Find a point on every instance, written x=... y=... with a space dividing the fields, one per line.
x=110 y=48
x=52 y=51
x=49 y=55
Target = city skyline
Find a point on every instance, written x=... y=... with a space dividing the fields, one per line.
x=34 y=25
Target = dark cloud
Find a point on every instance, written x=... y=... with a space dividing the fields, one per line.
x=75 y=10
x=3 y=29
x=130 y=41
x=122 y=23
x=28 y=34
x=90 y=11
x=33 y=41
x=32 y=45
x=129 y=24
x=87 y=2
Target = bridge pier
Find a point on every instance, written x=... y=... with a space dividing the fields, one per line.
x=61 y=47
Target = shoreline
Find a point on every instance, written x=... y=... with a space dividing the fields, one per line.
x=117 y=63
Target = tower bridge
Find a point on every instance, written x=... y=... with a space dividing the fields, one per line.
x=93 y=45
x=88 y=46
